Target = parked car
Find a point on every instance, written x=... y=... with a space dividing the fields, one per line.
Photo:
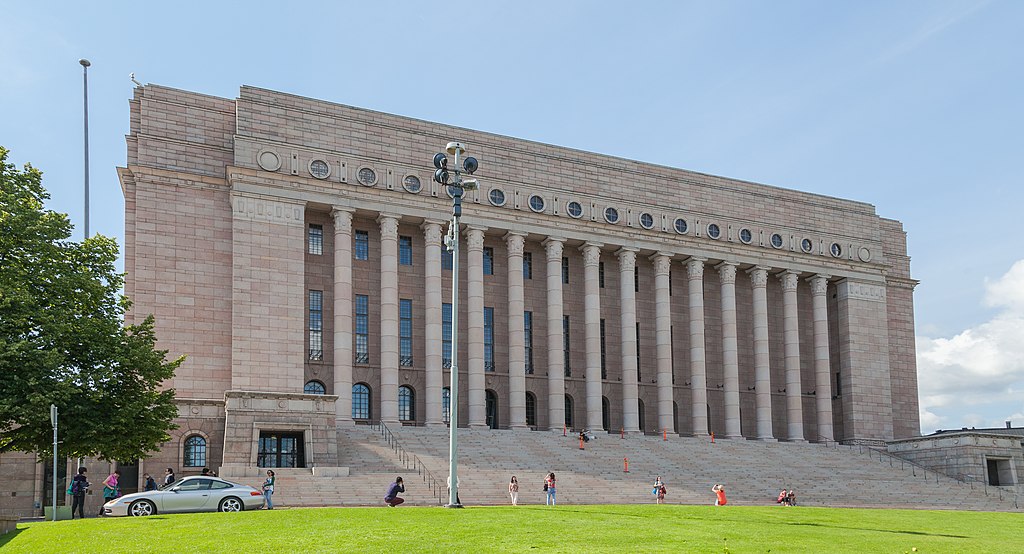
x=188 y=494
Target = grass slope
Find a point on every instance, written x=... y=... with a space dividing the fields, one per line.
x=609 y=528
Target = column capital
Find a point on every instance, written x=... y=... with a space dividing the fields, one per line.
x=554 y=246
x=432 y=231
x=591 y=253
x=388 y=225
x=789 y=279
x=695 y=267
x=627 y=257
x=475 y=237
x=727 y=272
x=819 y=283
x=342 y=217
x=515 y=242
x=662 y=262
x=759 y=276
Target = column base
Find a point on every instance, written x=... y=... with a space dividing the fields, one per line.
x=477 y=426
x=802 y=441
x=767 y=439
x=346 y=423
x=520 y=428
x=435 y=424
x=735 y=437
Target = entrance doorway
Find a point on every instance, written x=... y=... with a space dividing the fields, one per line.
x=492 y=409
x=279 y=449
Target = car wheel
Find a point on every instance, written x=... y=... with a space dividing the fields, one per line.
x=141 y=508
x=231 y=504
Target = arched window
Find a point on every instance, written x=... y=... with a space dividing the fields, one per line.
x=195 y=452
x=406 y=404
x=360 y=401
x=446 y=405
x=314 y=387
x=568 y=411
x=531 y=409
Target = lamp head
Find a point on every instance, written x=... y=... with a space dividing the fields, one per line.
x=84 y=62
x=470 y=165
x=455 y=147
x=440 y=160
x=470 y=184
x=441 y=176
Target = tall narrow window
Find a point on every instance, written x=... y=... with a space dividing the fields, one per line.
x=600 y=274
x=565 y=344
x=527 y=265
x=360 y=401
x=446 y=258
x=488 y=339
x=531 y=409
x=446 y=336
x=362 y=245
x=638 y=351
x=672 y=341
x=406 y=404
x=604 y=366
x=315 y=242
x=405 y=250
x=565 y=271
x=405 y=332
x=636 y=280
x=528 y=341
x=446 y=405
x=362 y=329
x=195 y=452
x=568 y=411
x=488 y=260
x=316 y=325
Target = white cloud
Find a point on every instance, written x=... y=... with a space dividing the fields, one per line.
x=976 y=378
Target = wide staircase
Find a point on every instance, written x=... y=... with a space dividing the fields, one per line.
x=753 y=472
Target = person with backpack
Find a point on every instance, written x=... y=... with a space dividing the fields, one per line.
x=110 y=488
x=150 y=482
x=79 y=486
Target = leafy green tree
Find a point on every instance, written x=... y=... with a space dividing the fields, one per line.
x=63 y=340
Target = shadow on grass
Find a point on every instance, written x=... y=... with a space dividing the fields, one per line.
x=894 y=531
x=8 y=537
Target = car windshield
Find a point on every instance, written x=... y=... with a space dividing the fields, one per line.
x=197 y=482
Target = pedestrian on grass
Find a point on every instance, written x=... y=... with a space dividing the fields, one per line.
x=513 y=490
x=110 y=488
x=549 y=486
x=791 y=498
x=657 y=485
x=79 y=486
x=661 y=493
x=391 y=498
x=719 y=491
x=783 y=498
x=268 y=489
x=168 y=476
x=150 y=482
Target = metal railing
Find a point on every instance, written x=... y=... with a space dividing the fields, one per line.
x=438 y=488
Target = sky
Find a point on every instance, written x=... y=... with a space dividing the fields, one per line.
x=913 y=106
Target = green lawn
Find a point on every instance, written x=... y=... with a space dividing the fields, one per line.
x=564 y=528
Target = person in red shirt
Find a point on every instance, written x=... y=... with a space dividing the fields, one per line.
x=719 y=491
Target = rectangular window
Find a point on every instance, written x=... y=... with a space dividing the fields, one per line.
x=362 y=329
x=446 y=258
x=839 y=385
x=565 y=344
x=362 y=245
x=636 y=280
x=600 y=274
x=670 y=282
x=672 y=341
x=565 y=271
x=528 y=341
x=446 y=336
x=404 y=250
x=316 y=325
x=315 y=242
x=604 y=366
x=488 y=260
x=405 y=332
x=488 y=339
x=638 y=351
x=527 y=265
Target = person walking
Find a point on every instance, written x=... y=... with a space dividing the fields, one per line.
x=549 y=487
x=110 y=488
x=391 y=498
x=268 y=489
x=168 y=476
x=719 y=491
x=150 y=482
x=79 y=486
x=513 y=490
x=657 y=485
x=661 y=493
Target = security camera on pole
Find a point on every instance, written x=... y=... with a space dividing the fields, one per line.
x=452 y=179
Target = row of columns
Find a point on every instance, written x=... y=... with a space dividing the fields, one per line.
x=554 y=246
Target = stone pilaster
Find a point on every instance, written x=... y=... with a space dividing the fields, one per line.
x=432 y=327
x=663 y=337
x=730 y=354
x=762 y=361
x=791 y=330
x=389 y=356
x=516 y=332
x=556 y=359
x=627 y=319
x=343 y=313
x=475 y=321
x=698 y=358
x=592 y=315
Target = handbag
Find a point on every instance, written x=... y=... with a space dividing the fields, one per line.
x=545 y=487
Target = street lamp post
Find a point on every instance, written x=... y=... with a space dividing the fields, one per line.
x=85 y=100
x=456 y=185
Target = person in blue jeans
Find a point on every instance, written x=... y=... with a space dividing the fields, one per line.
x=268 y=489
x=549 y=481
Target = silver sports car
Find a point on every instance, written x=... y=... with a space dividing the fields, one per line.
x=189 y=494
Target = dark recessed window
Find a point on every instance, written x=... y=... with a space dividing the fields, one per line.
x=488 y=260
x=316 y=325
x=713 y=231
x=316 y=239
x=528 y=341
x=600 y=274
x=565 y=344
x=531 y=409
x=680 y=226
x=776 y=240
x=446 y=336
x=806 y=245
x=362 y=247
x=527 y=265
x=488 y=339
x=405 y=250
x=611 y=215
x=496 y=197
x=574 y=209
x=405 y=332
x=565 y=271
x=446 y=404
x=537 y=203
x=447 y=262
x=195 y=452
x=646 y=220
x=406 y=404
x=314 y=387
x=362 y=353
x=836 y=250
x=746 y=236
x=360 y=401
x=412 y=184
x=367 y=176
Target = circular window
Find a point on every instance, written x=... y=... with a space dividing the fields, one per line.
x=536 y=203
x=776 y=240
x=646 y=220
x=496 y=197
x=319 y=169
x=367 y=176
x=574 y=209
x=412 y=184
x=806 y=245
x=611 y=215
x=680 y=225
x=836 y=250
x=746 y=236
x=864 y=254
x=713 y=231
x=269 y=160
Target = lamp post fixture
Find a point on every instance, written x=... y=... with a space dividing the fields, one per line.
x=451 y=178
x=85 y=101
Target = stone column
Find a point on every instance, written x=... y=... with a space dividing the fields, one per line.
x=762 y=361
x=730 y=355
x=791 y=327
x=475 y=323
x=432 y=327
x=388 y=317
x=592 y=316
x=663 y=336
x=627 y=326
x=556 y=359
x=516 y=332
x=698 y=360
x=822 y=372
x=343 y=314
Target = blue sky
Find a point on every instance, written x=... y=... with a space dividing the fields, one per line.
x=913 y=106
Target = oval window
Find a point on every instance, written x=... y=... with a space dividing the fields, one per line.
x=776 y=240
x=574 y=209
x=713 y=231
x=611 y=215
x=646 y=220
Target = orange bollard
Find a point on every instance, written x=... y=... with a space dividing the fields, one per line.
x=625 y=465
x=581 y=442
x=664 y=434
x=622 y=432
x=712 y=437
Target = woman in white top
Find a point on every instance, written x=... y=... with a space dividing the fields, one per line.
x=513 y=490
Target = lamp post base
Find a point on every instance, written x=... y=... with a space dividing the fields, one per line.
x=453 y=506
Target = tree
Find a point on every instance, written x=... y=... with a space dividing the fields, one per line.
x=63 y=340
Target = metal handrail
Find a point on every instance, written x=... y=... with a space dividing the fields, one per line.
x=407 y=459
